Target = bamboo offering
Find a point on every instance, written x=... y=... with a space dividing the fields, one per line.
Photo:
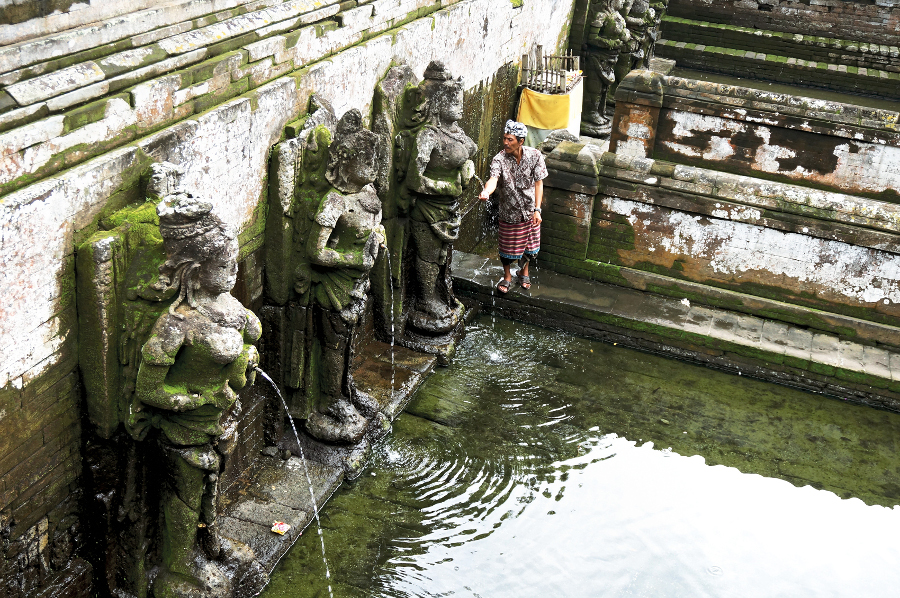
x=551 y=74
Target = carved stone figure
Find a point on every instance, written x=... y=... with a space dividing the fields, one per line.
x=658 y=7
x=607 y=36
x=343 y=242
x=438 y=168
x=199 y=353
x=639 y=18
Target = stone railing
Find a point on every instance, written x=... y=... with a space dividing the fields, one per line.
x=840 y=147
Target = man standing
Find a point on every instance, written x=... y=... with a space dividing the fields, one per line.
x=521 y=171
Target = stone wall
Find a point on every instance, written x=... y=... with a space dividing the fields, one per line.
x=212 y=93
x=772 y=205
x=875 y=21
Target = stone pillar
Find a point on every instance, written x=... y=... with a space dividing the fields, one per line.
x=639 y=99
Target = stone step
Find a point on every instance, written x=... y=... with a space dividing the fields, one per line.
x=806 y=47
x=719 y=338
x=781 y=69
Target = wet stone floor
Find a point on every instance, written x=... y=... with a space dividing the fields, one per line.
x=540 y=464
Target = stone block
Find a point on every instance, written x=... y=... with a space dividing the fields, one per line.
x=826 y=350
x=877 y=362
x=775 y=337
x=56 y=83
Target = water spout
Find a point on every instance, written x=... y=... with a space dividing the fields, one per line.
x=312 y=494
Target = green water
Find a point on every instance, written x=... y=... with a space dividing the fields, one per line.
x=543 y=465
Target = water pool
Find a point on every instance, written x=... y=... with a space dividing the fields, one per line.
x=541 y=464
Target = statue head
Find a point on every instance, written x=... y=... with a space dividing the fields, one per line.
x=353 y=155
x=201 y=250
x=163 y=179
x=443 y=95
x=639 y=8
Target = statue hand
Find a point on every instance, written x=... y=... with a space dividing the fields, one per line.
x=252 y=363
x=466 y=173
x=453 y=189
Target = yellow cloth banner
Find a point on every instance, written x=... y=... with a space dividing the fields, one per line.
x=544 y=111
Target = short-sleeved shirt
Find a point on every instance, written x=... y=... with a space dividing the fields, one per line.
x=516 y=183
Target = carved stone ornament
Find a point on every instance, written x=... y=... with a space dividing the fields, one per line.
x=344 y=240
x=325 y=234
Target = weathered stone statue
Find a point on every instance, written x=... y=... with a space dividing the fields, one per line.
x=343 y=241
x=438 y=169
x=200 y=352
x=659 y=8
x=639 y=18
x=607 y=36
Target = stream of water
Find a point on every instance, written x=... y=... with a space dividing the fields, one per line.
x=539 y=464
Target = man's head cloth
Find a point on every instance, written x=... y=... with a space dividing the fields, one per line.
x=516 y=129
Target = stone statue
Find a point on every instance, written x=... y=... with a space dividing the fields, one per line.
x=607 y=36
x=639 y=18
x=343 y=241
x=199 y=353
x=658 y=8
x=439 y=167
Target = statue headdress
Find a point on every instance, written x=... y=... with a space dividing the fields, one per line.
x=191 y=234
x=350 y=138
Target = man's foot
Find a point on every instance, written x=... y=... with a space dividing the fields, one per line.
x=503 y=286
x=524 y=280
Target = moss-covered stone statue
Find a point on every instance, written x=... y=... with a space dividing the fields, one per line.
x=607 y=36
x=344 y=239
x=658 y=8
x=435 y=166
x=639 y=19
x=199 y=353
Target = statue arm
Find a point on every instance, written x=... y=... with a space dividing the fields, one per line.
x=323 y=255
x=157 y=356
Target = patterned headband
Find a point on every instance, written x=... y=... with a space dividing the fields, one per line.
x=515 y=128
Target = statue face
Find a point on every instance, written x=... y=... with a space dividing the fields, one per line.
x=359 y=169
x=219 y=273
x=451 y=105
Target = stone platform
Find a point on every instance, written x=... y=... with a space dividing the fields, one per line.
x=736 y=342
x=280 y=490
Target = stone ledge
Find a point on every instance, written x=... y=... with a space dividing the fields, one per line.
x=771 y=196
x=783 y=69
x=280 y=489
x=719 y=338
x=746 y=38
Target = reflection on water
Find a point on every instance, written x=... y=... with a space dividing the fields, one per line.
x=545 y=465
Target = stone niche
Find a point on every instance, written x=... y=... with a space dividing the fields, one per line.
x=776 y=205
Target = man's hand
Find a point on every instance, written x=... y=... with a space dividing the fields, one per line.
x=488 y=189
x=536 y=218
